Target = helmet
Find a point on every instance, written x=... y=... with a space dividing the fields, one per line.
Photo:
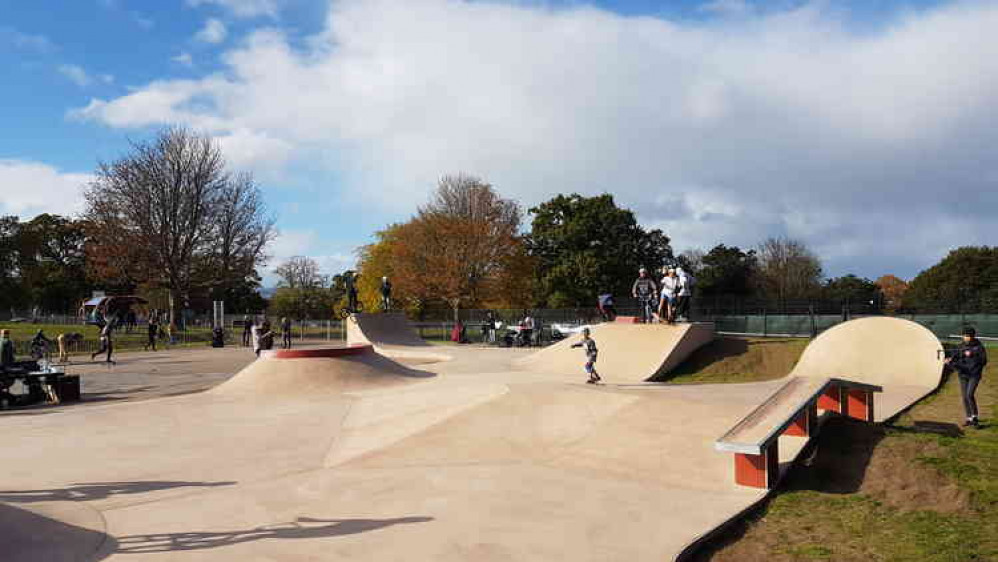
x=585 y=331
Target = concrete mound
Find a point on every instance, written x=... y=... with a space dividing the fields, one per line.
x=316 y=373
x=628 y=353
x=382 y=329
x=902 y=356
x=392 y=336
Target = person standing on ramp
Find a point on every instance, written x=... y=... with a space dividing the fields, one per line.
x=646 y=292
x=591 y=353
x=386 y=294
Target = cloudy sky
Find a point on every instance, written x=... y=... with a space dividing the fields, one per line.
x=867 y=128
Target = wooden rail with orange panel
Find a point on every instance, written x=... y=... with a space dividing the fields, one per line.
x=795 y=410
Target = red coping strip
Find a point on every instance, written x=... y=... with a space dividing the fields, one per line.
x=324 y=352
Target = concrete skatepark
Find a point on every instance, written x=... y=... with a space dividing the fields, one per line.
x=392 y=449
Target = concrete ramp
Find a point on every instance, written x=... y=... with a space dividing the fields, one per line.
x=902 y=356
x=628 y=353
x=391 y=329
x=317 y=372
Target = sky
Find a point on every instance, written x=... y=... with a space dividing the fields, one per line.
x=866 y=129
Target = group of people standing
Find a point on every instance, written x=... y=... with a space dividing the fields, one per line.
x=260 y=335
x=668 y=301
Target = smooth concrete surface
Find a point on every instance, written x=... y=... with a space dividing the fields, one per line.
x=628 y=353
x=362 y=458
x=903 y=357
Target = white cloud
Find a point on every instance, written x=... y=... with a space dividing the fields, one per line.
x=26 y=41
x=214 y=31
x=332 y=259
x=185 y=59
x=76 y=74
x=143 y=21
x=31 y=188
x=243 y=8
x=774 y=123
x=731 y=8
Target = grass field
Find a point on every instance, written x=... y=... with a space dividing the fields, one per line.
x=22 y=333
x=918 y=490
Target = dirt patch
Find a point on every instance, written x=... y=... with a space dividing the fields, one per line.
x=897 y=478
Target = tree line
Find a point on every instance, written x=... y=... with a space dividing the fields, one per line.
x=168 y=220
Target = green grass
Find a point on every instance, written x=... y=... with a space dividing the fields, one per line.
x=22 y=333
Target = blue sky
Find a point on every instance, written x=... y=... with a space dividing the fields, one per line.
x=723 y=121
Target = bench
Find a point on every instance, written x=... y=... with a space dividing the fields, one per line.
x=51 y=386
x=794 y=410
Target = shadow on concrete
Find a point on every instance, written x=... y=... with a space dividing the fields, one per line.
x=300 y=528
x=99 y=491
x=33 y=537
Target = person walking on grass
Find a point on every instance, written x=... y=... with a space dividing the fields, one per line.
x=645 y=290
x=591 y=353
x=152 y=331
x=285 y=333
x=968 y=361
x=106 y=343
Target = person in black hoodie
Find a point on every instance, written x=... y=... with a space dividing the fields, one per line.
x=968 y=361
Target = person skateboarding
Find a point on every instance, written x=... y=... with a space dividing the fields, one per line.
x=968 y=361
x=106 y=343
x=646 y=292
x=591 y=354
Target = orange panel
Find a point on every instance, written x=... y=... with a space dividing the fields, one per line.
x=758 y=471
x=859 y=404
x=831 y=400
x=800 y=425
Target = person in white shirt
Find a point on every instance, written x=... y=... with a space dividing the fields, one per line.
x=686 y=284
x=670 y=292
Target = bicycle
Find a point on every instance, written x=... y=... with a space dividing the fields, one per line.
x=345 y=312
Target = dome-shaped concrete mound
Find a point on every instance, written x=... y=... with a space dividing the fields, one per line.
x=309 y=372
x=902 y=356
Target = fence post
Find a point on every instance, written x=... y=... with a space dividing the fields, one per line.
x=765 y=322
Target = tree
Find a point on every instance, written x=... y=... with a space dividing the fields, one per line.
x=727 y=271
x=301 y=290
x=788 y=269
x=241 y=234
x=966 y=280
x=852 y=289
x=51 y=261
x=587 y=245
x=11 y=287
x=461 y=249
x=893 y=289
x=156 y=213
